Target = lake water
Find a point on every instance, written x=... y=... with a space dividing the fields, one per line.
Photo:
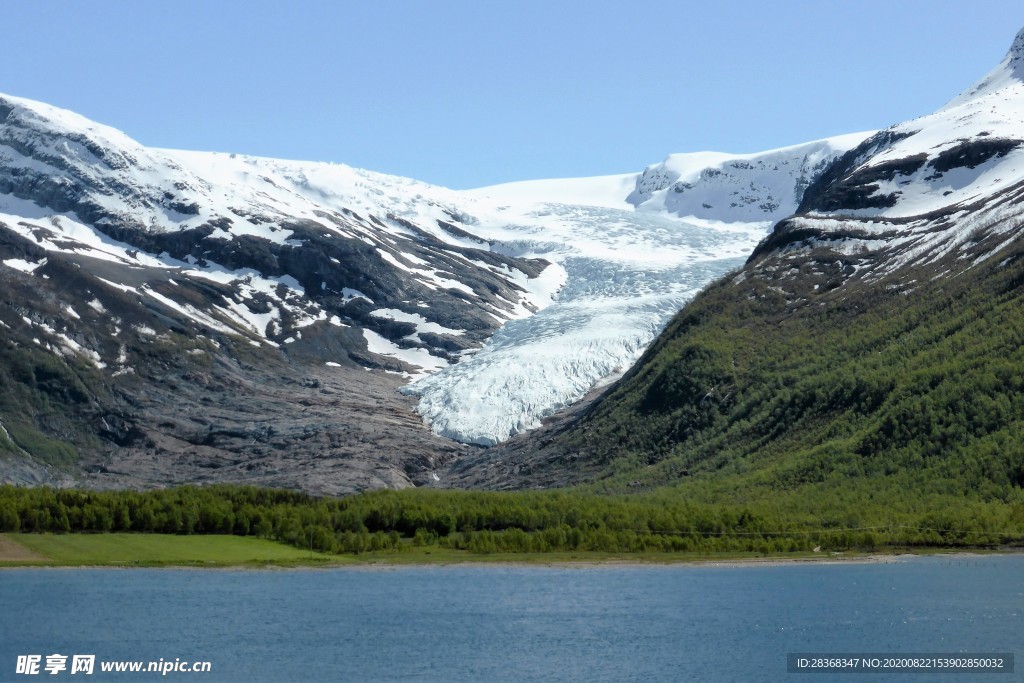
x=504 y=623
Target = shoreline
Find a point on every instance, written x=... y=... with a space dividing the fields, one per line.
x=382 y=564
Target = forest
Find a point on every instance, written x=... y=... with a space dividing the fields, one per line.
x=487 y=522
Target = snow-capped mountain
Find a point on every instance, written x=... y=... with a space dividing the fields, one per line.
x=916 y=220
x=154 y=274
x=943 y=187
x=299 y=243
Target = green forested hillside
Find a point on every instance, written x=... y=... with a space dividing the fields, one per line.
x=885 y=395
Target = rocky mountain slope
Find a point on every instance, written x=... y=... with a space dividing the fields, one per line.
x=166 y=313
x=176 y=316
x=874 y=333
x=289 y=236
x=925 y=189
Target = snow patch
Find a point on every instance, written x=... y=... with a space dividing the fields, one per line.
x=420 y=358
x=23 y=265
x=422 y=324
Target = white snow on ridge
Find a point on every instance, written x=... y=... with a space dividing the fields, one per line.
x=604 y=191
x=963 y=161
x=991 y=111
x=626 y=251
x=737 y=188
x=165 y=190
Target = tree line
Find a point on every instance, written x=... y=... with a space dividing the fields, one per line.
x=487 y=522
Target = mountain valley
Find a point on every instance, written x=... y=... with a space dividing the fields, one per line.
x=181 y=317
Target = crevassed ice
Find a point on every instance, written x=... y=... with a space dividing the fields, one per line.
x=627 y=272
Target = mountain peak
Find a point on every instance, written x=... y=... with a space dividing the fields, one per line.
x=1016 y=53
x=1010 y=72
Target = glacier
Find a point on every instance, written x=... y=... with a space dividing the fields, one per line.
x=626 y=276
x=633 y=253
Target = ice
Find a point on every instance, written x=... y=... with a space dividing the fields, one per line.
x=627 y=273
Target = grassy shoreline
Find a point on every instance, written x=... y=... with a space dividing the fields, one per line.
x=232 y=552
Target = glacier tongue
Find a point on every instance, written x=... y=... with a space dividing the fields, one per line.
x=634 y=249
x=627 y=274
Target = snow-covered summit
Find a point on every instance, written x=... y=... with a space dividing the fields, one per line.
x=42 y=117
x=966 y=151
x=758 y=187
x=1009 y=70
x=296 y=244
x=946 y=185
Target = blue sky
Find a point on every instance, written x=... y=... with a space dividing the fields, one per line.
x=471 y=93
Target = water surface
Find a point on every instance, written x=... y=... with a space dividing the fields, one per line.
x=505 y=623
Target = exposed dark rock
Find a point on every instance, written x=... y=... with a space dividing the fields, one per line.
x=839 y=187
x=451 y=229
x=973 y=153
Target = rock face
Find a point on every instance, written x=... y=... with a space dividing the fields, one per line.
x=178 y=405
x=171 y=317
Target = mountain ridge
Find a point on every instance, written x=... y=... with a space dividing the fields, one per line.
x=195 y=273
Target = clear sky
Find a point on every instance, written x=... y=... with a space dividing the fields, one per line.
x=477 y=92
